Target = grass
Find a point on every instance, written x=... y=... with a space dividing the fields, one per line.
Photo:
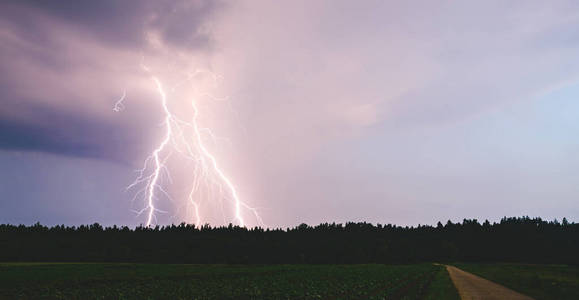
x=151 y=281
x=442 y=287
x=538 y=281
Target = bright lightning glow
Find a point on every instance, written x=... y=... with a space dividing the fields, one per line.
x=209 y=181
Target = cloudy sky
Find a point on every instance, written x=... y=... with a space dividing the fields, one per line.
x=401 y=112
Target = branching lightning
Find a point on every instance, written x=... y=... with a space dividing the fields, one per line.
x=209 y=181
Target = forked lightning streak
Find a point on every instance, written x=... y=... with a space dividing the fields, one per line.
x=187 y=140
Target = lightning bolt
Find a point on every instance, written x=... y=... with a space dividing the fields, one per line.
x=186 y=139
x=119 y=106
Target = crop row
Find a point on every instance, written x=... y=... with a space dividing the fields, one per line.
x=265 y=282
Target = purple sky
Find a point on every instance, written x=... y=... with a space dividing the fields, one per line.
x=381 y=111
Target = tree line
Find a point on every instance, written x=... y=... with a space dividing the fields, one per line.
x=521 y=240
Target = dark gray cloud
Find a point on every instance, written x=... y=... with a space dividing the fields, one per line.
x=123 y=23
x=46 y=45
x=68 y=133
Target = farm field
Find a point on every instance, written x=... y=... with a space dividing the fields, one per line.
x=150 y=281
x=538 y=281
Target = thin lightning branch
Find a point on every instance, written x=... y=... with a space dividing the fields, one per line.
x=216 y=167
x=156 y=153
x=119 y=106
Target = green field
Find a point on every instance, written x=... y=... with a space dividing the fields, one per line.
x=150 y=281
x=541 y=282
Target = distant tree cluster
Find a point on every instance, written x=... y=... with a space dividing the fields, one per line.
x=523 y=240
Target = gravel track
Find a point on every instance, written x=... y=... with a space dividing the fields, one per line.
x=472 y=287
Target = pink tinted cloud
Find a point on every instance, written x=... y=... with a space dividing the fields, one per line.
x=304 y=81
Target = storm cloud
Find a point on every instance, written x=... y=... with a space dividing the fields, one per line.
x=382 y=111
x=60 y=65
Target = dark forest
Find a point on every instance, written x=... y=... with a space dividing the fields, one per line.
x=520 y=240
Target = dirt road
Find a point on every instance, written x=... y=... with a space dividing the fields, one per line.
x=472 y=287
